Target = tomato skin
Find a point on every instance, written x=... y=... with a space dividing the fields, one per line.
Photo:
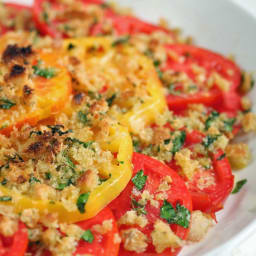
x=17 y=245
x=211 y=199
x=41 y=26
x=102 y=244
x=155 y=170
x=212 y=62
x=178 y=103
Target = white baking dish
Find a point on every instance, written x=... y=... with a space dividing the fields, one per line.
x=224 y=26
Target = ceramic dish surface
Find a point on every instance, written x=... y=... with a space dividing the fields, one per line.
x=227 y=27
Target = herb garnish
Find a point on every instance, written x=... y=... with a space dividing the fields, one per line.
x=6 y=104
x=111 y=99
x=5 y=198
x=209 y=139
x=210 y=119
x=44 y=72
x=239 y=185
x=121 y=40
x=87 y=236
x=139 y=208
x=81 y=202
x=178 y=142
x=139 y=180
x=180 y=216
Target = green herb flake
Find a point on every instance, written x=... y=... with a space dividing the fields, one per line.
x=136 y=146
x=82 y=117
x=46 y=17
x=211 y=119
x=221 y=157
x=111 y=99
x=84 y=144
x=58 y=129
x=33 y=179
x=178 y=142
x=70 y=46
x=6 y=104
x=180 y=216
x=139 y=208
x=4 y=181
x=209 y=139
x=44 y=72
x=81 y=202
x=139 y=180
x=48 y=175
x=87 y=236
x=239 y=185
x=228 y=124
x=5 y=198
x=121 y=40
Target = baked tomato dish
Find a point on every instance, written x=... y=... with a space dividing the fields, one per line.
x=116 y=135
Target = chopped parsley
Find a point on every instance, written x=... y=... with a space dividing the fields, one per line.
x=46 y=17
x=210 y=119
x=33 y=179
x=239 y=185
x=84 y=144
x=58 y=129
x=221 y=157
x=6 y=104
x=44 y=72
x=139 y=208
x=228 y=124
x=136 y=146
x=81 y=202
x=83 y=117
x=48 y=175
x=139 y=180
x=5 y=198
x=209 y=139
x=178 y=142
x=4 y=181
x=70 y=46
x=121 y=40
x=87 y=236
x=111 y=99
x=180 y=216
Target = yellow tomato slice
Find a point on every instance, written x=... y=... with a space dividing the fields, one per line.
x=120 y=74
x=118 y=142
x=36 y=94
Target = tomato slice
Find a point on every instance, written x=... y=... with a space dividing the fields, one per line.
x=16 y=245
x=122 y=24
x=176 y=194
x=212 y=198
x=51 y=27
x=11 y=12
x=126 y=25
x=183 y=58
x=103 y=244
x=49 y=95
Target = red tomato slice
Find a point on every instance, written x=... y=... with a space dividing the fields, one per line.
x=177 y=193
x=210 y=198
x=102 y=244
x=122 y=25
x=127 y=25
x=15 y=245
x=211 y=62
x=11 y=11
